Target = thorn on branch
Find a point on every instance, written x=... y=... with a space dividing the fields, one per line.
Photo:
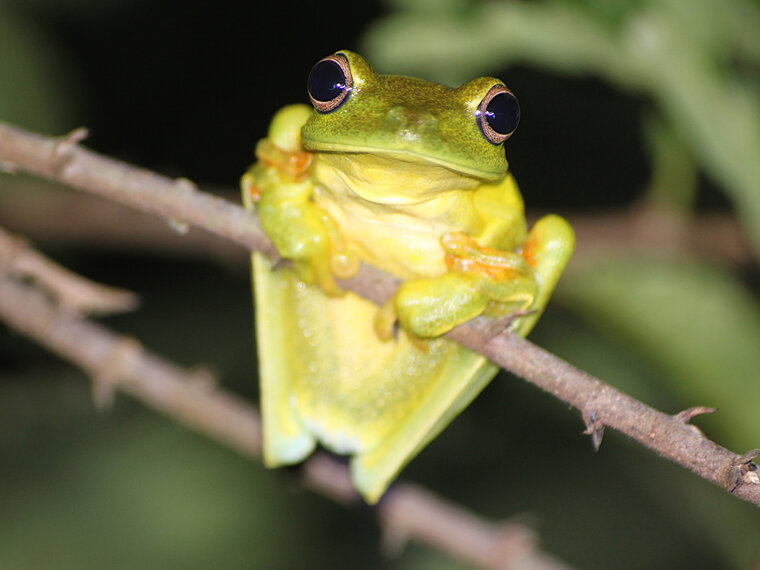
x=515 y=541
x=500 y=324
x=687 y=415
x=743 y=471
x=277 y=262
x=203 y=378
x=103 y=394
x=185 y=184
x=393 y=539
x=594 y=428
x=180 y=227
x=119 y=366
x=63 y=151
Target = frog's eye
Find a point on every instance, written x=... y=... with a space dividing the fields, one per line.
x=498 y=114
x=330 y=82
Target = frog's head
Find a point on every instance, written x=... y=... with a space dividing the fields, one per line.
x=359 y=111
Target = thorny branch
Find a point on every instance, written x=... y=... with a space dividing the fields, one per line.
x=72 y=292
x=65 y=161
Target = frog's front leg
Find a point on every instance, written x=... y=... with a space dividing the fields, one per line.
x=482 y=280
x=282 y=191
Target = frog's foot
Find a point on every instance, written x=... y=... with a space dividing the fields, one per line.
x=323 y=257
x=504 y=277
x=480 y=279
x=330 y=256
x=386 y=321
x=302 y=231
x=428 y=308
x=292 y=164
x=344 y=263
x=464 y=255
x=547 y=250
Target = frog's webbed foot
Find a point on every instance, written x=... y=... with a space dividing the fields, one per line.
x=547 y=250
x=318 y=251
x=316 y=248
x=480 y=279
x=504 y=277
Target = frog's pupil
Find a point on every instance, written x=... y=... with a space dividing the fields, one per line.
x=326 y=81
x=503 y=113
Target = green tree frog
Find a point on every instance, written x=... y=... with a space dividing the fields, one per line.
x=411 y=177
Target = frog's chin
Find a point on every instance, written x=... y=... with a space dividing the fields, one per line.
x=406 y=157
x=382 y=178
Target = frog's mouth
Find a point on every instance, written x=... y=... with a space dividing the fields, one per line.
x=404 y=158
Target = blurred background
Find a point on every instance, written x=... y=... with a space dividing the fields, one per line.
x=640 y=123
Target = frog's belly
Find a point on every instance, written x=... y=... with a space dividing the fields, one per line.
x=352 y=387
x=403 y=240
x=349 y=389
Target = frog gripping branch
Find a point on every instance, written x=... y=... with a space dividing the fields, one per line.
x=409 y=176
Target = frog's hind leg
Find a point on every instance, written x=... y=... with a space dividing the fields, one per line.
x=286 y=441
x=547 y=250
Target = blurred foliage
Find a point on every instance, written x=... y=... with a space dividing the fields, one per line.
x=183 y=87
x=33 y=91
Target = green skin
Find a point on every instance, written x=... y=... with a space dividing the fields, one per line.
x=401 y=177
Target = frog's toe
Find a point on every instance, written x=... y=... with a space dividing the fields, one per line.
x=386 y=320
x=344 y=265
x=324 y=279
x=549 y=245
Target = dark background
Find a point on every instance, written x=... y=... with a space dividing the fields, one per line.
x=186 y=88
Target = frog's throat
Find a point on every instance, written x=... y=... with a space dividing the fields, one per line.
x=380 y=179
x=404 y=156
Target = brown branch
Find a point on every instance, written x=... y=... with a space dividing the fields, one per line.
x=176 y=200
x=47 y=212
x=65 y=161
x=72 y=292
x=192 y=399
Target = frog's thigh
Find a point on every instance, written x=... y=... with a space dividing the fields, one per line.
x=453 y=388
x=548 y=248
x=285 y=439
